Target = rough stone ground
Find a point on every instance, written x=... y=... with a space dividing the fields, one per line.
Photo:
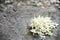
x=14 y=20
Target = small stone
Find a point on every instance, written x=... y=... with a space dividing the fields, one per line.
x=21 y=16
x=39 y=4
x=52 y=1
x=19 y=4
x=28 y=2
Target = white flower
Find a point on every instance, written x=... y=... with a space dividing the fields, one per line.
x=43 y=25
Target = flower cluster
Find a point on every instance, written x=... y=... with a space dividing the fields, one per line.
x=42 y=26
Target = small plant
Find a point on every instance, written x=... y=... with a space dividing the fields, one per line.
x=42 y=26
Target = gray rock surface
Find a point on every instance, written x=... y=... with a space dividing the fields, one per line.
x=14 y=20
